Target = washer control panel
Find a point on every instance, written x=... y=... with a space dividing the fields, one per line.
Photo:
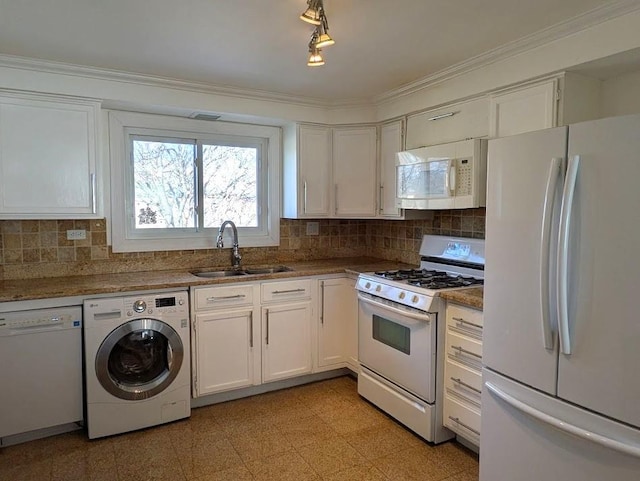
x=172 y=303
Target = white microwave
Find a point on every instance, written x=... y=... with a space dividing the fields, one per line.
x=446 y=176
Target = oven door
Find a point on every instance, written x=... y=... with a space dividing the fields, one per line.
x=398 y=343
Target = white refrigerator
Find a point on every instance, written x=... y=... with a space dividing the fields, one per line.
x=561 y=341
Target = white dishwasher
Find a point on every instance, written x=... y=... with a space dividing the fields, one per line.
x=40 y=369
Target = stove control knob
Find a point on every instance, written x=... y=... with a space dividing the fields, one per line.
x=415 y=299
x=367 y=285
x=402 y=295
x=378 y=288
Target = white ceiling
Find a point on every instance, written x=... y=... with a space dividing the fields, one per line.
x=261 y=44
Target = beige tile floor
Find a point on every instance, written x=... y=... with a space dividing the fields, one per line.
x=320 y=431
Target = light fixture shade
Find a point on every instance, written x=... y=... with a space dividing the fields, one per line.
x=311 y=16
x=324 y=40
x=315 y=58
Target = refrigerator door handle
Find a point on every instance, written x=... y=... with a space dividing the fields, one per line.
x=562 y=284
x=545 y=249
x=629 y=449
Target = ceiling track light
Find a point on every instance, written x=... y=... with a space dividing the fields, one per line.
x=320 y=38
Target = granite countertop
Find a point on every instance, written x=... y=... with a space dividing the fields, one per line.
x=51 y=287
x=472 y=297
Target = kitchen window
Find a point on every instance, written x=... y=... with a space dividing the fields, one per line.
x=175 y=181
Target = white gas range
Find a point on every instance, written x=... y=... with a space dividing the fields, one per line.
x=401 y=331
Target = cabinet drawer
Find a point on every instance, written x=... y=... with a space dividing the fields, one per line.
x=223 y=296
x=462 y=418
x=463 y=381
x=464 y=350
x=278 y=291
x=464 y=320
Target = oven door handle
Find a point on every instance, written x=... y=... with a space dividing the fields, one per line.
x=416 y=318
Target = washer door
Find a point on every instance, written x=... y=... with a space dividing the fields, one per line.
x=139 y=359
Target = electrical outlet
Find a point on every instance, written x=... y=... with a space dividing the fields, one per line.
x=76 y=234
x=313 y=228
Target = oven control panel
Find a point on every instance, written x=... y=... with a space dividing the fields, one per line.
x=399 y=294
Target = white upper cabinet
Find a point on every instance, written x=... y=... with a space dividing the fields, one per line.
x=464 y=120
x=524 y=109
x=329 y=172
x=48 y=157
x=354 y=171
x=391 y=137
x=562 y=100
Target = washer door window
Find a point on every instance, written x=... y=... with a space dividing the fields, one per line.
x=139 y=359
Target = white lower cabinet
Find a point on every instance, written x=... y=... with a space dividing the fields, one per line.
x=225 y=351
x=286 y=329
x=248 y=334
x=337 y=326
x=225 y=339
x=463 y=376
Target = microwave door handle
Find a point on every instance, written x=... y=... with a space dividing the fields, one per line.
x=452 y=177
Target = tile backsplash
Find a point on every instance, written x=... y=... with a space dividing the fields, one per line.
x=40 y=248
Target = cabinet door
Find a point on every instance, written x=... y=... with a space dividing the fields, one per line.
x=47 y=158
x=338 y=316
x=286 y=350
x=448 y=124
x=354 y=171
x=224 y=342
x=523 y=110
x=390 y=144
x=314 y=158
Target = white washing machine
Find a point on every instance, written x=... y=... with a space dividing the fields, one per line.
x=136 y=362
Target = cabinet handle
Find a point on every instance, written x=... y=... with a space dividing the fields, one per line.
x=267 y=336
x=94 y=207
x=457 y=380
x=251 y=329
x=462 y=321
x=322 y=302
x=457 y=421
x=335 y=195
x=289 y=291
x=224 y=298
x=462 y=350
x=305 y=197
x=442 y=116
x=381 y=199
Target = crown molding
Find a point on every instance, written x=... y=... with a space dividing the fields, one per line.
x=97 y=73
x=511 y=49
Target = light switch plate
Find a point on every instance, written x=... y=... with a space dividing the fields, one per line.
x=313 y=228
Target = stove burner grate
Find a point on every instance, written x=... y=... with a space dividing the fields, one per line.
x=429 y=279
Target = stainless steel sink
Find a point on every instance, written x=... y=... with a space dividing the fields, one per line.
x=242 y=272
x=214 y=274
x=268 y=270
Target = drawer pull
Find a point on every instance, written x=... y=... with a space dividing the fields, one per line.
x=457 y=380
x=289 y=291
x=461 y=350
x=462 y=321
x=460 y=423
x=225 y=298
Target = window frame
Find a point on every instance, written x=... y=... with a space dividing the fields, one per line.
x=126 y=238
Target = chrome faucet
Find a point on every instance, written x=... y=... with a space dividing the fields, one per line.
x=235 y=253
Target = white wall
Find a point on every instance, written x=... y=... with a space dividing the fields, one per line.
x=621 y=95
